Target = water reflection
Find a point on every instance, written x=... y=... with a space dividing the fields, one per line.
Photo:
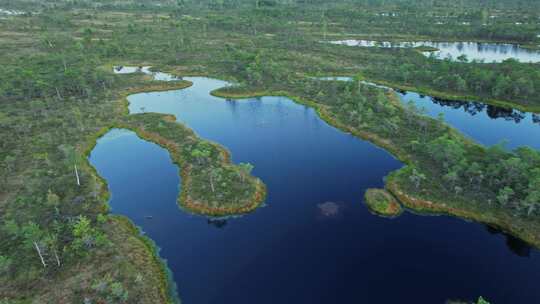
x=494 y=112
x=120 y=69
x=516 y=246
x=10 y=12
x=334 y=78
x=485 y=123
x=216 y=222
x=471 y=107
x=482 y=52
x=330 y=209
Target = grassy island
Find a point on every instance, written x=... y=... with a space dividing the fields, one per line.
x=237 y=92
x=382 y=203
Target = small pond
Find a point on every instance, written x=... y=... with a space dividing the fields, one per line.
x=313 y=241
x=487 y=52
x=145 y=70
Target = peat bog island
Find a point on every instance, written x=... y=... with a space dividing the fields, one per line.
x=269 y=151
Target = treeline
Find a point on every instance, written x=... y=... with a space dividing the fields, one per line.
x=509 y=80
x=457 y=30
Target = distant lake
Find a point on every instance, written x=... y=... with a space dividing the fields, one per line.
x=290 y=250
x=145 y=70
x=487 y=52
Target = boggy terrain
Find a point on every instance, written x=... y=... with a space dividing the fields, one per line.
x=58 y=95
x=212 y=186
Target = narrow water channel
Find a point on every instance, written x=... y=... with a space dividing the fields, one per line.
x=290 y=250
x=486 y=124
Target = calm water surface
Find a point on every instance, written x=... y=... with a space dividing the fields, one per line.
x=487 y=52
x=289 y=251
x=486 y=124
x=145 y=70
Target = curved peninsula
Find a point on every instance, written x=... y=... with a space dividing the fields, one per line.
x=211 y=185
x=432 y=151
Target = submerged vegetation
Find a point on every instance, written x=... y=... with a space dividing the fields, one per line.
x=58 y=95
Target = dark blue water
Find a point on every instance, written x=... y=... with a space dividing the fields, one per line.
x=289 y=251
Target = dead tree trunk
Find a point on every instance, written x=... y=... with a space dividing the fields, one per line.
x=40 y=256
x=65 y=65
x=212 y=183
x=77 y=175
x=58 y=93
x=56 y=257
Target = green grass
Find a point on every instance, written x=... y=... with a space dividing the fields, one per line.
x=382 y=203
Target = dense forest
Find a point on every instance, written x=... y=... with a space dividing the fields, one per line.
x=509 y=80
x=58 y=242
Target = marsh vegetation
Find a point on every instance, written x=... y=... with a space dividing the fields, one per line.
x=59 y=94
